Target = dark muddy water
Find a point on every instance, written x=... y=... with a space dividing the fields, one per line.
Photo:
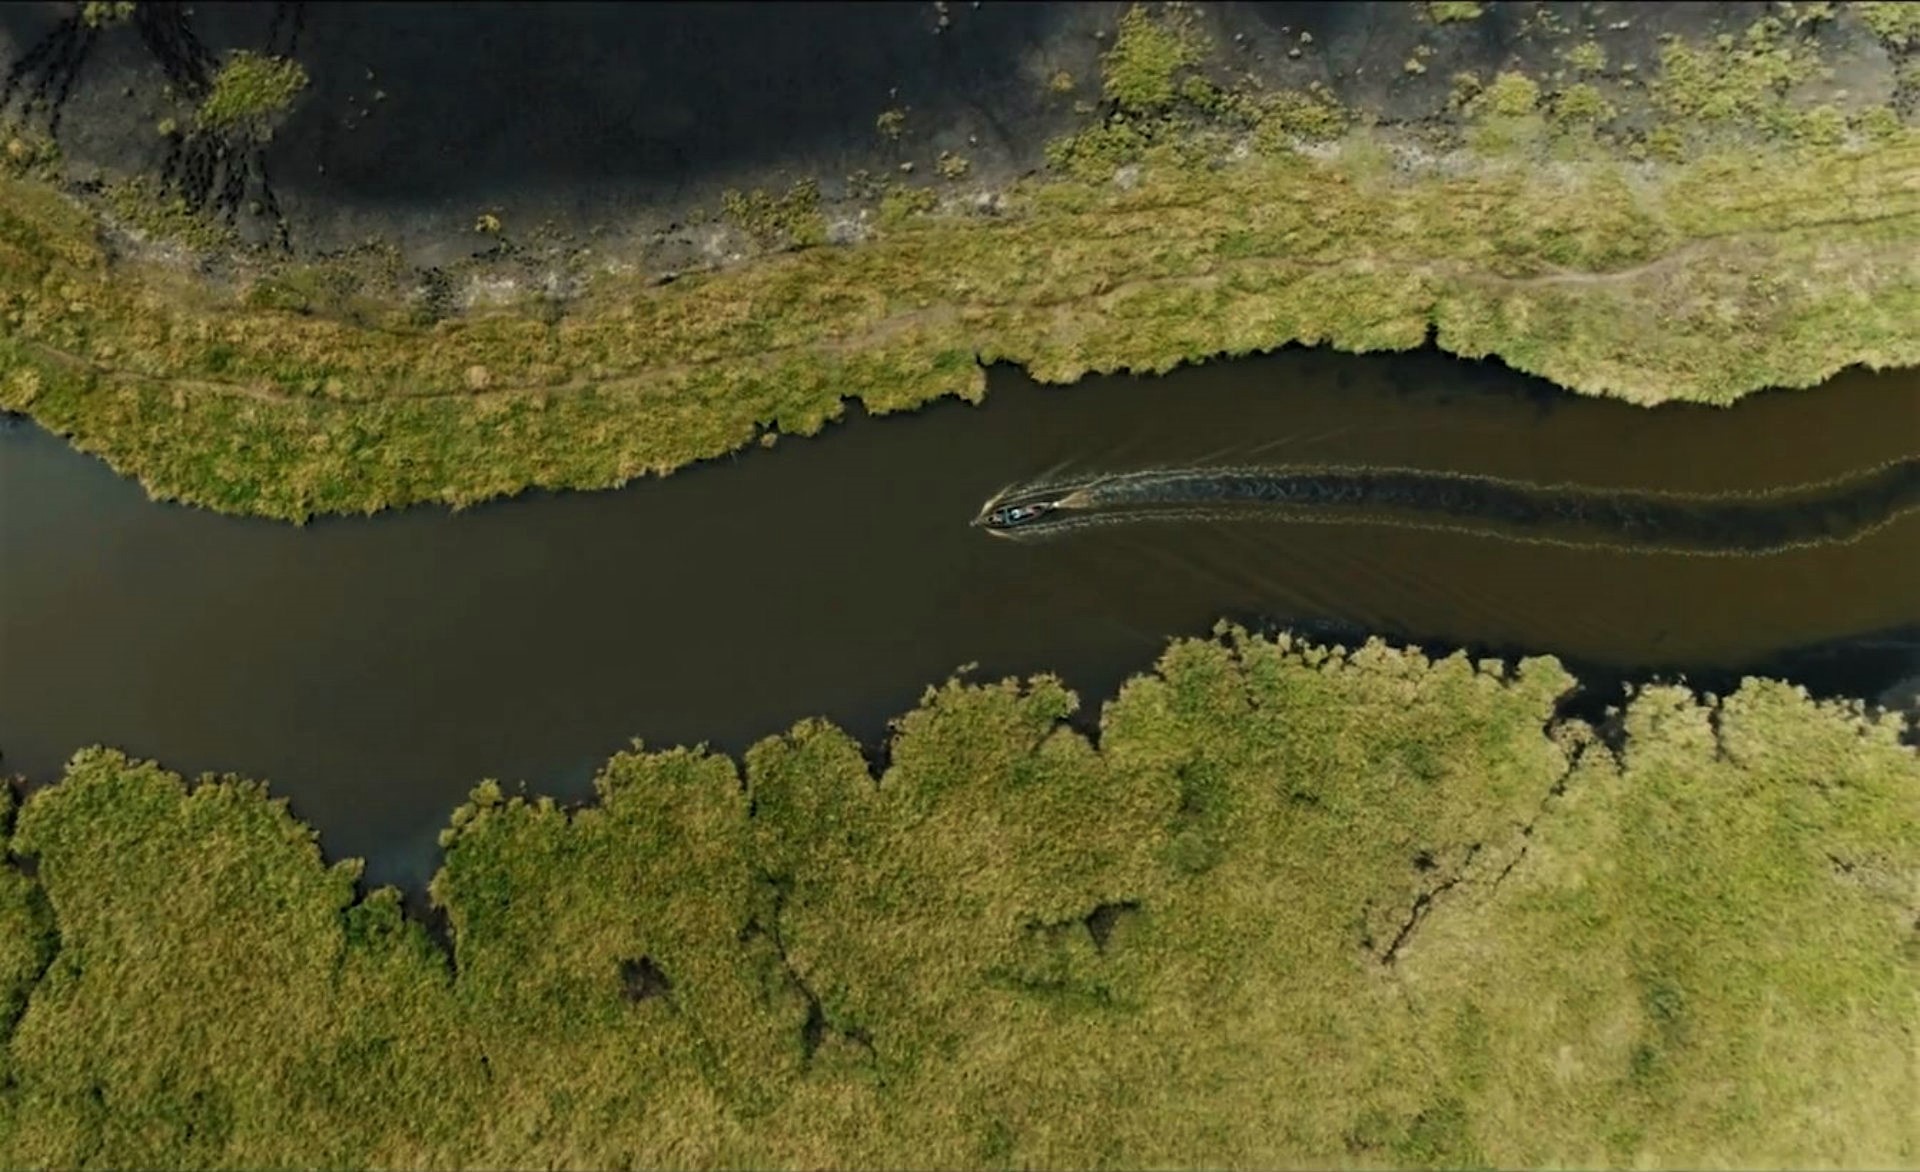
x=373 y=669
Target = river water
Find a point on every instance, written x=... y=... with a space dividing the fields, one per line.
x=373 y=669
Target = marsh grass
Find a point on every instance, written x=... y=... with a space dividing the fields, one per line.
x=1297 y=906
x=250 y=93
x=789 y=220
x=1720 y=277
x=1898 y=25
x=1149 y=52
x=323 y=386
x=1452 y=11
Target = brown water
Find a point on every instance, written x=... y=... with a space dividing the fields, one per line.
x=374 y=669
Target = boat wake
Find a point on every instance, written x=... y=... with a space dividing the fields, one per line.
x=1745 y=523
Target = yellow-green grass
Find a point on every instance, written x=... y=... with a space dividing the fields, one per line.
x=1898 y=25
x=1703 y=280
x=1295 y=907
x=1449 y=11
x=1774 y=246
x=250 y=93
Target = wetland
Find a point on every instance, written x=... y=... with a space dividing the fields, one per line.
x=507 y=657
x=375 y=668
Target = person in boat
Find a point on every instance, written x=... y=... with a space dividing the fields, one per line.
x=1009 y=516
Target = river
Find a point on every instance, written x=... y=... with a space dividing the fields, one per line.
x=373 y=669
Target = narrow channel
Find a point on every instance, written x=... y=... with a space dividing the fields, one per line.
x=373 y=669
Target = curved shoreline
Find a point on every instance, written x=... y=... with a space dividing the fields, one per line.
x=797 y=958
x=1372 y=907
x=249 y=410
x=1695 y=236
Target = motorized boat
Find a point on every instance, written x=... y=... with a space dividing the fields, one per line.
x=1014 y=516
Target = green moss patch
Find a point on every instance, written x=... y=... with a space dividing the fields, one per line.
x=1896 y=24
x=1453 y=11
x=250 y=94
x=1138 y=73
x=789 y=220
x=1744 y=76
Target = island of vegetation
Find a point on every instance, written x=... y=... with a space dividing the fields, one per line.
x=1698 y=235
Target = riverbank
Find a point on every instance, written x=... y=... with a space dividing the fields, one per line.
x=1725 y=234
x=536 y=636
x=1370 y=908
x=1275 y=904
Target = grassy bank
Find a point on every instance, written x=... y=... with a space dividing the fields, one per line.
x=1294 y=907
x=1192 y=221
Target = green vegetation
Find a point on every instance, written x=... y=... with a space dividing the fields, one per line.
x=1508 y=95
x=1586 y=57
x=1748 y=81
x=1464 y=88
x=1297 y=907
x=1309 y=115
x=1806 y=13
x=1138 y=73
x=900 y=203
x=1821 y=126
x=1094 y=154
x=1770 y=253
x=250 y=94
x=789 y=220
x=230 y=403
x=142 y=202
x=1745 y=76
x=1449 y=11
x=1154 y=99
x=105 y=13
x=1582 y=102
x=1898 y=24
x=1294 y=906
x=24 y=153
x=1877 y=123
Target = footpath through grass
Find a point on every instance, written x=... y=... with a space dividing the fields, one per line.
x=1294 y=908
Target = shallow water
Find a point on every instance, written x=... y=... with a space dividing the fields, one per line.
x=374 y=669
